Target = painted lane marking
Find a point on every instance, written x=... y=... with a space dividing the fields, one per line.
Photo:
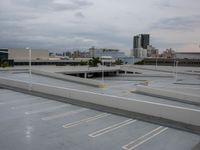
x=64 y=114
x=33 y=104
x=69 y=125
x=46 y=109
x=17 y=101
x=139 y=141
x=112 y=128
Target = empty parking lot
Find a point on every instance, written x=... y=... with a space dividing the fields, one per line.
x=31 y=122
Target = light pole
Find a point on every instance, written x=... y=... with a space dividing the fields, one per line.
x=30 y=68
x=175 y=65
x=156 y=63
x=176 y=70
x=102 y=70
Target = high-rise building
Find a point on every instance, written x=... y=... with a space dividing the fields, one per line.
x=140 y=44
x=136 y=42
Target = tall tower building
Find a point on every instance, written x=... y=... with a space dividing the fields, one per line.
x=145 y=40
x=140 y=44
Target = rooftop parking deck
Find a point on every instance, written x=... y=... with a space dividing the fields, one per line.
x=34 y=122
x=31 y=122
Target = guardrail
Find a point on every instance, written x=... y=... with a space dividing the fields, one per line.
x=70 y=78
x=182 y=115
x=180 y=96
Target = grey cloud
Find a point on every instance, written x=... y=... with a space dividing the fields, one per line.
x=79 y=15
x=53 y=5
x=178 y=23
x=163 y=44
x=72 y=5
x=165 y=4
x=60 y=24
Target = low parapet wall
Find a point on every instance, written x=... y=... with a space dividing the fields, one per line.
x=187 y=116
x=158 y=70
x=69 y=78
x=180 y=96
x=147 y=75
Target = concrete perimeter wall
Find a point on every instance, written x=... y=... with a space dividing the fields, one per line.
x=146 y=75
x=178 y=114
x=184 y=97
x=69 y=78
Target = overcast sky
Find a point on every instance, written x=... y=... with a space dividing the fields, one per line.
x=67 y=24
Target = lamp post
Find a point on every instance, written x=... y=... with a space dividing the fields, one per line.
x=176 y=70
x=30 y=68
x=156 y=63
x=102 y=70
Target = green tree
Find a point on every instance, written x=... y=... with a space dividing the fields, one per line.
x=94 y=61
x=4 y=63
x=83 y=63
x=140 y=63
x=119 y=62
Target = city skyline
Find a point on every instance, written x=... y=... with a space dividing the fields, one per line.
x=68 y=24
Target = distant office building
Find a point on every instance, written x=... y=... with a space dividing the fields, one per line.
x=152 y=51
x=137 y=42
x=145 y=40
x=23 y=54
x=68 y=54
x=140 y=44
x=79 y=54
x=114 y=53
x=168 y=53
x=187 y=55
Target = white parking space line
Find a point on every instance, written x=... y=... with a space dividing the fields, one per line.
x=111 y=128
x=69 y=125
x=32 y=104
x=139 y=141
x=65 y=114
x=46 y=109
x=18 y=101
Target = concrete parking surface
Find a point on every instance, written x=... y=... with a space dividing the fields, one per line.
x=29 y=122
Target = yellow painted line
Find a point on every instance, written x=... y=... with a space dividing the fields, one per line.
x=102 y=86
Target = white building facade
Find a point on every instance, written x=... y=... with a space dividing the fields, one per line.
x=114 y=53
x=23 y=54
